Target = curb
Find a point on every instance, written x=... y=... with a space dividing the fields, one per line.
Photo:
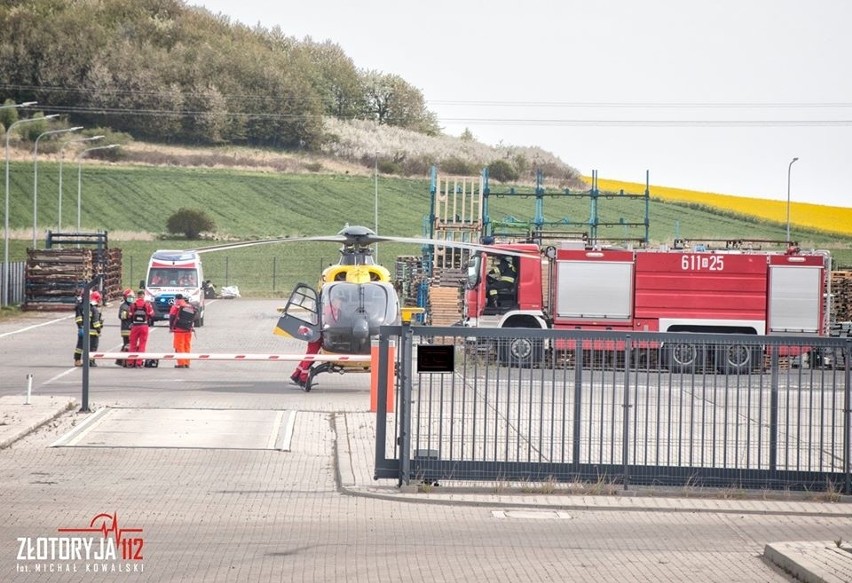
x=33 y=425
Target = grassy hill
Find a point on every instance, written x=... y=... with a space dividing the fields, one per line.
x=132 y=203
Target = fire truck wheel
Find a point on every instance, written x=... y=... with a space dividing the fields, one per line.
x=522 y=352
x=684 y=357
x=736 y=358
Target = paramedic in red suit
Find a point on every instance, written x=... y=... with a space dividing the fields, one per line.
x=182 y=338
x=141 y=316
x=300 y=375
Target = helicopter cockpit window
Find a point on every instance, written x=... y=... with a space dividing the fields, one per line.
x=342 y=302
x=381 y=303
x=308 y=305
x=338 y=300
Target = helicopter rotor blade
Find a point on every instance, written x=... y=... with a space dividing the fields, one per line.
x=490 y=249
x=241 y=244
x=363 y=237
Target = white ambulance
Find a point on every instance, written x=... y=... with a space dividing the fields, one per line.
x=172 y=272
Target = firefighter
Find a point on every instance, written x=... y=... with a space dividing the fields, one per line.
x=501 y=277
x=124 y=317
x=181 y=323
x=96 y=323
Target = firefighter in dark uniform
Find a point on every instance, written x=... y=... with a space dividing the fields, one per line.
x=500 y=277
x=96 y=324
x=125 y=314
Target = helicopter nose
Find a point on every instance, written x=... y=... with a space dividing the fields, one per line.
x=361 y=330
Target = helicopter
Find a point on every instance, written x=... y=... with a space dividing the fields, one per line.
x=353 y=299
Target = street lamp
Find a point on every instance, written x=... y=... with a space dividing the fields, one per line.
x=5 y=283
x=24 y=104
x=35 y=174
x=376 y=209
x=80 y=174
x=62 y=157
x=789 y=168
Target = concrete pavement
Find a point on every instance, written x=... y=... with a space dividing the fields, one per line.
x=823 y=561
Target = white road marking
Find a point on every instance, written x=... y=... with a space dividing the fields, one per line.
x=34 y=326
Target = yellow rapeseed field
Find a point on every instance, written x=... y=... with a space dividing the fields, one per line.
x=831 y=219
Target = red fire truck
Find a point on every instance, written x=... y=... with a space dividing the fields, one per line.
x=693 y=289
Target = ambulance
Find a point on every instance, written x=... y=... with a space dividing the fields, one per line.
x=172 y=272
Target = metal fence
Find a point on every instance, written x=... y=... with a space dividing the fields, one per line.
x=748 y=412
x=16 y=281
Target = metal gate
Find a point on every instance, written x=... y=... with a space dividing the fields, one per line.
x=516 y=405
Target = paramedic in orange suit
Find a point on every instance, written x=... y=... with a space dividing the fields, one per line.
x=182 y=338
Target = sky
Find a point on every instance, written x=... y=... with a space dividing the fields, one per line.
x=711 y=96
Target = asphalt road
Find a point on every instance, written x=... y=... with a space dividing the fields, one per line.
x=258 y=513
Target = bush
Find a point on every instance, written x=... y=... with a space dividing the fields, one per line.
x=389 y=167
x=190 y=222
x=502 y=171
x=456 y=166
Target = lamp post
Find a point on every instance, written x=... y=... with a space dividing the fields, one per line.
x=789 y=168
x=5 y=283
x=61 y=158
x=24 y=104
x=35 y=174
x=80 y=174
x=376 y=208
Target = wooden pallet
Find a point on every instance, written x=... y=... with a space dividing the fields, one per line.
x=445 y=307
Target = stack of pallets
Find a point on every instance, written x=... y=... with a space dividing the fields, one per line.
x=841 y=289
x=409 y=277
x=53 y=276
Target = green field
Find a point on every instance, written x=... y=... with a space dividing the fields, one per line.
x=125 y=200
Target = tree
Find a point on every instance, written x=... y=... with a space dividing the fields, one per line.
x=334 y=77
x=190 y=222
x=390 y=100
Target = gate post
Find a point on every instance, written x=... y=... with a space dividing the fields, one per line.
x=406 y=342
x=84 y=407
x=578 y=404
x=381 y=412
x=773 y=411
x=847 y=411
x=625 y=456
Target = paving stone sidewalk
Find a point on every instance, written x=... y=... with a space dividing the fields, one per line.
x=821 y=561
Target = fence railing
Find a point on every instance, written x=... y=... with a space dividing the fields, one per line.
x=746 y=412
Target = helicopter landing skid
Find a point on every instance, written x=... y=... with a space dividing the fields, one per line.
x=322 y=367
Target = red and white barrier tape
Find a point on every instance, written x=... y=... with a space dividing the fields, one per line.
x=261 y=357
